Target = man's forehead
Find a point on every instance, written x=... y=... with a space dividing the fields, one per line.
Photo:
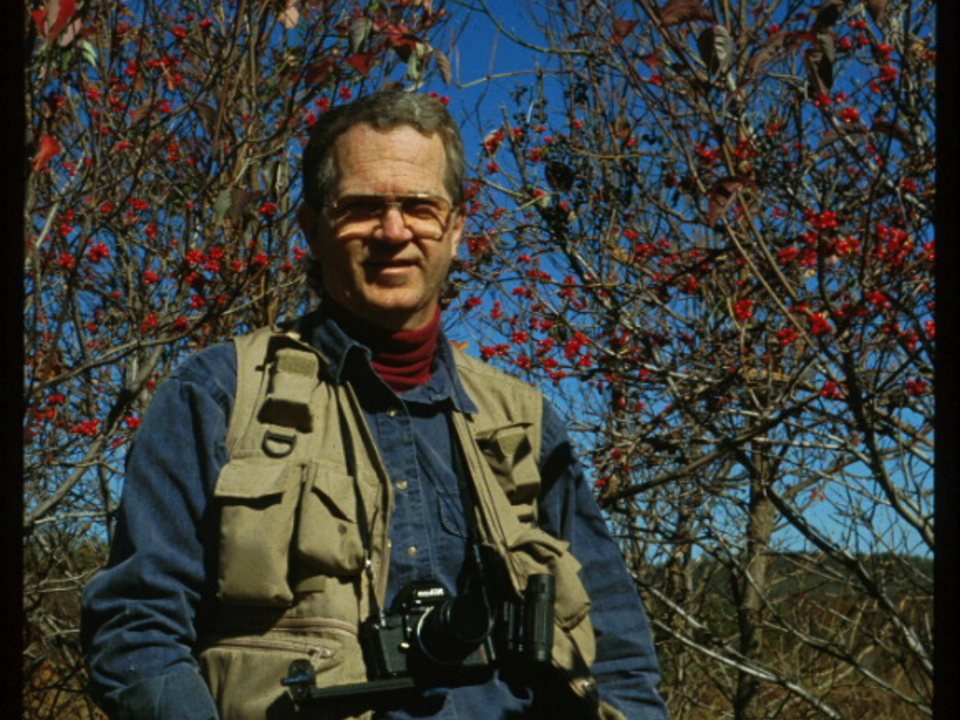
x=401 y=152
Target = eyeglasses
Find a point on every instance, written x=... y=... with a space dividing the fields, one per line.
x=426 y=216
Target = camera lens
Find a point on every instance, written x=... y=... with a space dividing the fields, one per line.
x=449 y=632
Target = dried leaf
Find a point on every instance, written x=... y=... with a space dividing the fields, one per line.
x=49 y=149
x=776 y=46
x=443 y=62
x=208 y=117
x=87 y=50
x=885 y=127
x=827 y=15
x=824 y=149
x=241 y=200
x=144 y=110
x=319 y=73
x=828 y=45
x=69 y=33
x=221 y=206
x=716 y=48
x=820 y=70
x=623 y=127
x=290 y=15
x=413 y=67
x=676 y=12
x=878 y=10
x=460 y=345
x=722 y=194
x=559 y=176
x=358 y=33
x=622 y=28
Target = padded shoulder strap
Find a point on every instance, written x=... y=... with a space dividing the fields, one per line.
x=251 y=382
x=276 y=376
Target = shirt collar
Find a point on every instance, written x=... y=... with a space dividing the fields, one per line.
x=324 y=334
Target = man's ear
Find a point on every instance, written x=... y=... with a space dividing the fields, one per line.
x=457 y=231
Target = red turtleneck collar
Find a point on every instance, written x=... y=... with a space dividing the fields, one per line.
x=403 y=358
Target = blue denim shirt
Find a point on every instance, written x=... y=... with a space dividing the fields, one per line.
x=142 y=615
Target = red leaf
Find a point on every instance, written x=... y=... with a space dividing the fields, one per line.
x=61 y=11
x=404 y=44
x=362 y=62
x=40 y=18
x=49 y=148
x=676 y=12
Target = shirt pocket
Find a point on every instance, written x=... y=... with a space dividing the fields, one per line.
x=258 y=500
x=452 y=519
x=333 y=527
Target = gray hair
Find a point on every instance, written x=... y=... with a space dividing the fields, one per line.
x=383 y=110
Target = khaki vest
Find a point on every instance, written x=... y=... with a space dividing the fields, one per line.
x=305 y=502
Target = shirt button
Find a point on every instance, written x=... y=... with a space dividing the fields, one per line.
x=402 y=484
x=413 y=550
x=393 y=412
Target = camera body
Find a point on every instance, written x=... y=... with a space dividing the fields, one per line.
x=428 y=628
x=430 y=637
x=421 y=631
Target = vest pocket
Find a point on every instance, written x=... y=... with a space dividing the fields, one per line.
x=330 y=526
x=245 y=672
x=539 y=552
x=258 y=499
x=574 y=644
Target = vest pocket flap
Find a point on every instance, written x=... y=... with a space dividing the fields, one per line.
x=509 y=452
x=506 y=442
x=335 y=489
x=252 y=478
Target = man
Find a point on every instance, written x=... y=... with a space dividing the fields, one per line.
x=285 y=490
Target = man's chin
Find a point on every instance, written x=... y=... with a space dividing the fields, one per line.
x=394 y=310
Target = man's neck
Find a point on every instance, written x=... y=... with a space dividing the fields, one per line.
x=402 y=358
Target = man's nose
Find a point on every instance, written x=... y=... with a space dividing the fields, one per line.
x=393 y=226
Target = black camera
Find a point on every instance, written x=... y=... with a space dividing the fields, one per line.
x=430 y=637
x=427 y=627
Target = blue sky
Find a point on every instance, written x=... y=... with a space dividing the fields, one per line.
x=479 y=51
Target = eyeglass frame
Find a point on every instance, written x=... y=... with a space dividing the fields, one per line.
x=396 y=200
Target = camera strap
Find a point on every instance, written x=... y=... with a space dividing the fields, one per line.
x=349 y=422
x=467 y=499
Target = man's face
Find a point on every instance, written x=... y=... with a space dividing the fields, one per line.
x=380 y=268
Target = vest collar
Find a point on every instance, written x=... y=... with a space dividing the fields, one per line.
x=345 y=353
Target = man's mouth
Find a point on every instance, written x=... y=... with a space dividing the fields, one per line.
x=390 y=264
